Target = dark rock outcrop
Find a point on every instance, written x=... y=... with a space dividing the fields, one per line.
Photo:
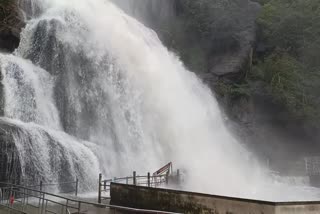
x=233 y=59
x=11 y=23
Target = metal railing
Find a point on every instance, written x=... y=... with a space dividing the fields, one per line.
x=137 y=180
x=29 y=201
x=133 y=210
x=26 y=199
x=62 y=187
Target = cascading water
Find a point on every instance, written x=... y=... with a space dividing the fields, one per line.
x=45 y=152
x=87 y=72
x=28 y=92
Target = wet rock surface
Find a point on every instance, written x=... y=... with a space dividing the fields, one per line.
x=11 y=23
x=10 y=167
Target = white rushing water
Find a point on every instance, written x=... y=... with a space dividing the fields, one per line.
x=28 y=92
x=86 y=71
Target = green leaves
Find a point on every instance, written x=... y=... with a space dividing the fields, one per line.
x=283 y=75
x=288 y=24
x=291 y=71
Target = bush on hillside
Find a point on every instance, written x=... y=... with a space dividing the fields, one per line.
x=291 y=71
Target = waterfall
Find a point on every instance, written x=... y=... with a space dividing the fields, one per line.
x=90 y=89
x=32 y=121
x=28 y=92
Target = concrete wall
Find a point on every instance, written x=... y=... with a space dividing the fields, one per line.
x=184 y=202
x=189 y=202
x=298 y=208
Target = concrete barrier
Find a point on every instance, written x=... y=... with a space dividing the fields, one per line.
x=190 y=202
x=298 y=208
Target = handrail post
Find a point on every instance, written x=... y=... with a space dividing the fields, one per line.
x=43 y=201
x=178 y=176
x=10 y=195
x=77 y=186
x=24 y=199
x=28 y=192
x=40 y=188
x=105 y=185
x=167 y=178
x=45 y=207
x=79 y=207
x=134 y=178
x=7 y=196
x=99 y=193
x=148 y=179
x=40 y=200
x=67 y=206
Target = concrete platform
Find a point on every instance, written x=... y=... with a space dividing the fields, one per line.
x=198 y=203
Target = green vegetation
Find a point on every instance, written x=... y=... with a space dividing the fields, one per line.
x=262 y=2
x=291 y=69
x=287 y=69
x=290 y=84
